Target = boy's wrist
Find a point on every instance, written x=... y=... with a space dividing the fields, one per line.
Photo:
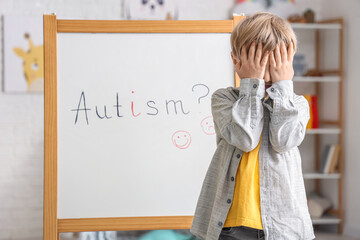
x=282 y=88
x=252 y=86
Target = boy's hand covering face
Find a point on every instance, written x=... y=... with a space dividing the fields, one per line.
x=267 y=76
x=281 y=63
x=252 y=65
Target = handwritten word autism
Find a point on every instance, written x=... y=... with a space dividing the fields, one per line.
x=87 y=113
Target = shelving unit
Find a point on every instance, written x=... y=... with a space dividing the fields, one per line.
x=319 y=25
x=334 y=76
x=316 y=175
x=323 y=131
x=317 y=79
x=326 y=219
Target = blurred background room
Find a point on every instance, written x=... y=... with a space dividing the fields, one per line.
x=325 y=66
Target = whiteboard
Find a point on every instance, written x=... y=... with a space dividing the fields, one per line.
x=149 y=154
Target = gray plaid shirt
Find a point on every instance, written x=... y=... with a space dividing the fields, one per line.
x=241 y=115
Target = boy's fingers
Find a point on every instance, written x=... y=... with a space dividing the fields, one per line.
x=243 y=55
x=265 y=58
x=290 y=51
x=239 y=65
x=277 y=54
x=258 y=53
x=272 y=59
x=251 y=52
x=283 y=52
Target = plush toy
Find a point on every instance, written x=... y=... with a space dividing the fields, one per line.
x=151 y=9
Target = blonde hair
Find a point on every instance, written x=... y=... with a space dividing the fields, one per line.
x=263 y=27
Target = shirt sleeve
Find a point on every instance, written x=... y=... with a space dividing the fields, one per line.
x=289 y=116
x=239 y=119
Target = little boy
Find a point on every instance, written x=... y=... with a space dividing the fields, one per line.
x=254 y=187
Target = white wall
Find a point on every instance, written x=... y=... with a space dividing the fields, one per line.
x=21 y=121
x=21 y=129
x=350 y=11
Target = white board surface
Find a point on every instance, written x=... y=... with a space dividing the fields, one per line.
x=147 y=157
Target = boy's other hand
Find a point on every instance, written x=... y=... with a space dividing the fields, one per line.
x=252 y=65
x=281 y=62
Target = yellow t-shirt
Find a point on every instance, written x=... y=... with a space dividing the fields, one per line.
x=245 y=207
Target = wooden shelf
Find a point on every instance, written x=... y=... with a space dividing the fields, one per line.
x=315 y=175
x=316 y=79
x=326 y=219
x=323 y=131
x=326 y=126
x=316 y=25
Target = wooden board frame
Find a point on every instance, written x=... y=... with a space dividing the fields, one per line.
x=52 y=225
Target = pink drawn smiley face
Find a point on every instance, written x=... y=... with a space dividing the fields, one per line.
x=207 y=125
x=181 y=139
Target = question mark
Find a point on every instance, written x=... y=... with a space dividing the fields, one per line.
x=200 y=84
